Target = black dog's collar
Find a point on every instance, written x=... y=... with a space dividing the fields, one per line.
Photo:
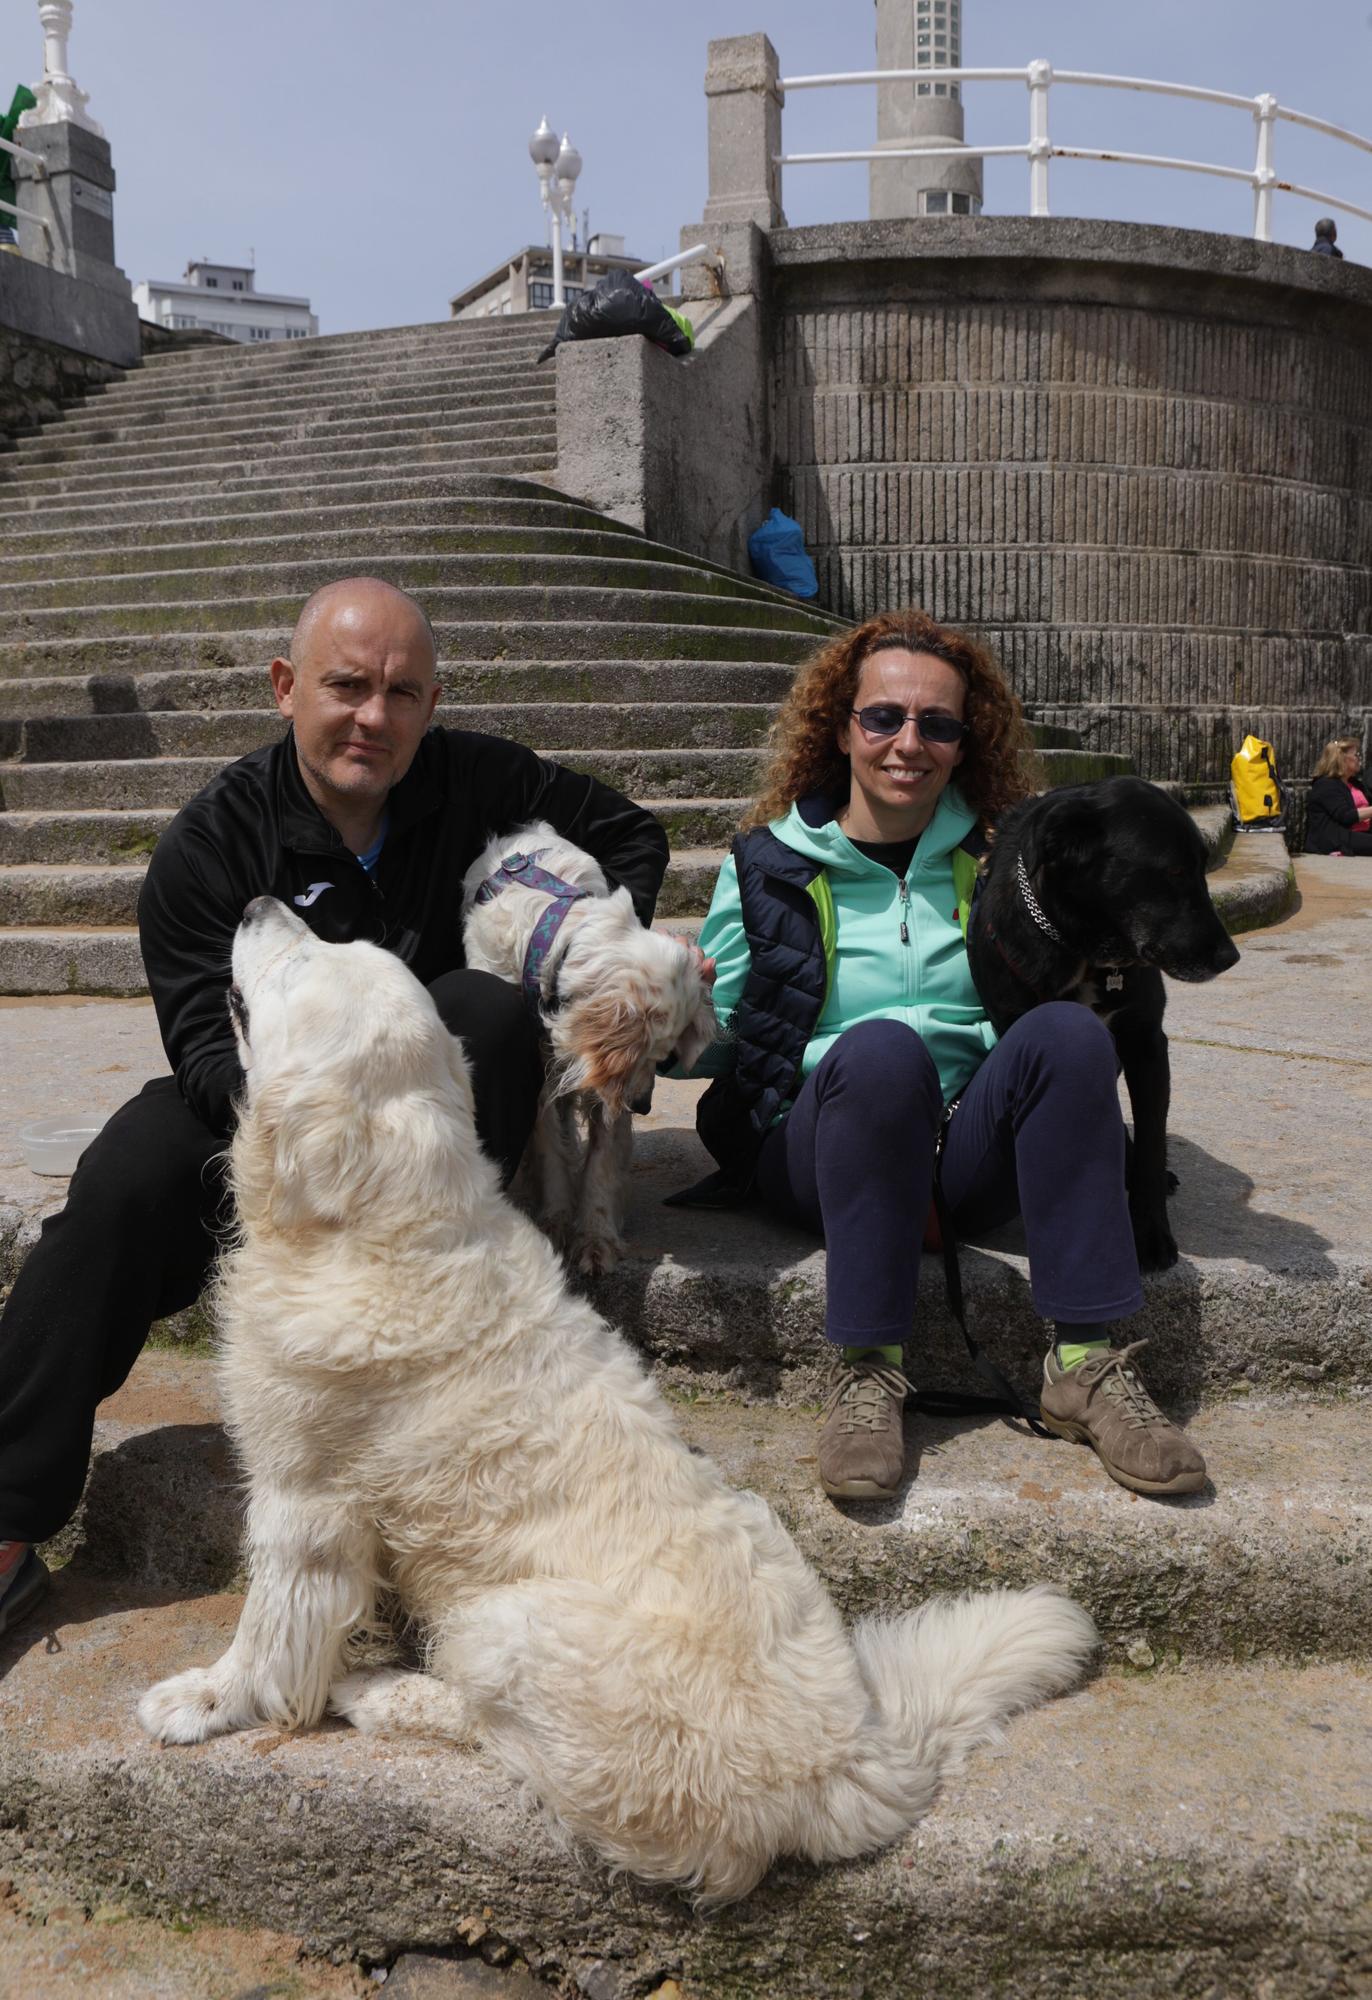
x=1031 y=902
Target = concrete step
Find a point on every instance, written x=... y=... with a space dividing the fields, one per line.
x=598 y=725
x=622 y=681
x=74 y=959
x=1155 y=1835
x=139 y=447
x=276 y=477
x=98 y=836
x=365 y=397
x=508 y=609
x=520 y=638
x=134 y=783
x=1274 y=1562
x=145 y=541
x=66 y=607
x=422 y=504
x=24 y=515
x=378 y=346
x=39 y=579
x=84 y=868
x=210 y=463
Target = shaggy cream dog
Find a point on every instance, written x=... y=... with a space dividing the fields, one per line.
x=615 y=1000
x=419 y=1403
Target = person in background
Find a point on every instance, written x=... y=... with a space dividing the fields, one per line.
x=1340 y=815
x=1326 y=238
x=22 y=101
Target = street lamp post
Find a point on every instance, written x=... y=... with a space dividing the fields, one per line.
x=59 y=99
x=557 y=167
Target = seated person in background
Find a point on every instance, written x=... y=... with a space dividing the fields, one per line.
x=1340 y=819
x=842 y=972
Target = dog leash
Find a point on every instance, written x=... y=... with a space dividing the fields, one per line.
x=1006 y=1400
x=521 y=871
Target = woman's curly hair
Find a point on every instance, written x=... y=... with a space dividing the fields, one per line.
x=804 y=756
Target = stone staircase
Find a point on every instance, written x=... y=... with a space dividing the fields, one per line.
x=159 y=541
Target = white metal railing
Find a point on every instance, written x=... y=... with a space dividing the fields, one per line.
x=26 y=214
x=1039 y=150
x=698 y=253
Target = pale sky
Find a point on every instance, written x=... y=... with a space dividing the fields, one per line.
x=374 y=156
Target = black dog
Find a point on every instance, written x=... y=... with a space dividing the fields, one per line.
x=1091 y=893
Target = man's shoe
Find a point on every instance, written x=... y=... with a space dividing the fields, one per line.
x=26 y=1587
x=862 y=1439
x=1102 y=1402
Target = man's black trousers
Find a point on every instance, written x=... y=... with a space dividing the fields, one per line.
x=138 y=1235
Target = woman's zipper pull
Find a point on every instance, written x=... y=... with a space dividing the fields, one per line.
x=904 y=911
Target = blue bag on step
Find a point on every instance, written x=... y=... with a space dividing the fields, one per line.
x=777 y=553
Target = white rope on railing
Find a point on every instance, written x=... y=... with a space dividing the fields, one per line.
x=1040 y=76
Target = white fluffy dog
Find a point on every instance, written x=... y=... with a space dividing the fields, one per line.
x=419 y=1403
x=615 y=1000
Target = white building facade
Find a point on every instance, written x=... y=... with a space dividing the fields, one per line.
x=223 y=298
x=524 y=283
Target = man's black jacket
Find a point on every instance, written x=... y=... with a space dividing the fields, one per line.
x=254 y=831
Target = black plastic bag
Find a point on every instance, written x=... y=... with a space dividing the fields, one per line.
x=619 y=304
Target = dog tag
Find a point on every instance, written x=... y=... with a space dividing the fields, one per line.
x=1114 y=982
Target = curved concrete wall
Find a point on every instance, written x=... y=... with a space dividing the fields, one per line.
x=1138 y=460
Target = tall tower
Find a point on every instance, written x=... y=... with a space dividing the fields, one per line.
x=921 y=34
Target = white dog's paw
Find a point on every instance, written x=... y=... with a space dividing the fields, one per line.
x=595 y=1256
x=186 y=1709
x=367 y=1699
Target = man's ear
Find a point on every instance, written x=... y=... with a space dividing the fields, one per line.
x=283 y=686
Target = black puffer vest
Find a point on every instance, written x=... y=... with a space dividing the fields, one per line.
x=782 y=1000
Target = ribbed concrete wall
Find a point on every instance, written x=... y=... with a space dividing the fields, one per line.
x=1139 y=461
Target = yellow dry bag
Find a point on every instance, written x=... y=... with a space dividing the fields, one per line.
x=1255 y=790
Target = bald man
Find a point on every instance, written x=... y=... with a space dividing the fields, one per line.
x=363 y=818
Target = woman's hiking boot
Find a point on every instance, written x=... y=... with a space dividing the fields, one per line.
x=862 y=1438
x=1102 y=1402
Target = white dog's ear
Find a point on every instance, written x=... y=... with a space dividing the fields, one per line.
x=610 y=1038
x=304 y=1153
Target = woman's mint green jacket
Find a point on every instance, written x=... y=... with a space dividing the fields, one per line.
x=874 y=975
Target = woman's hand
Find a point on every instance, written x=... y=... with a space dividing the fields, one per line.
x=704 y=966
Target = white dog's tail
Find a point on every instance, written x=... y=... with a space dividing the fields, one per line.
x=942 y=1680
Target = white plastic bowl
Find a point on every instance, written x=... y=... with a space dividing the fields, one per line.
x=54 y=1145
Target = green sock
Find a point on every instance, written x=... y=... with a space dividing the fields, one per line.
x=892 y=1356
x=1074 y=1343
x=1071 y=1353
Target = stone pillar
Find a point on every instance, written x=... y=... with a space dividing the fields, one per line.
x=744 y=100
x=76 y=195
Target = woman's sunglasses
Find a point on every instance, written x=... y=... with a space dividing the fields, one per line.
x=887 y=718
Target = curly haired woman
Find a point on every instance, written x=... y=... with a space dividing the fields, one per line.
x=838 y=933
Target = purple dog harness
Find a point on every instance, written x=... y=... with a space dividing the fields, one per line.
x=522 y=871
